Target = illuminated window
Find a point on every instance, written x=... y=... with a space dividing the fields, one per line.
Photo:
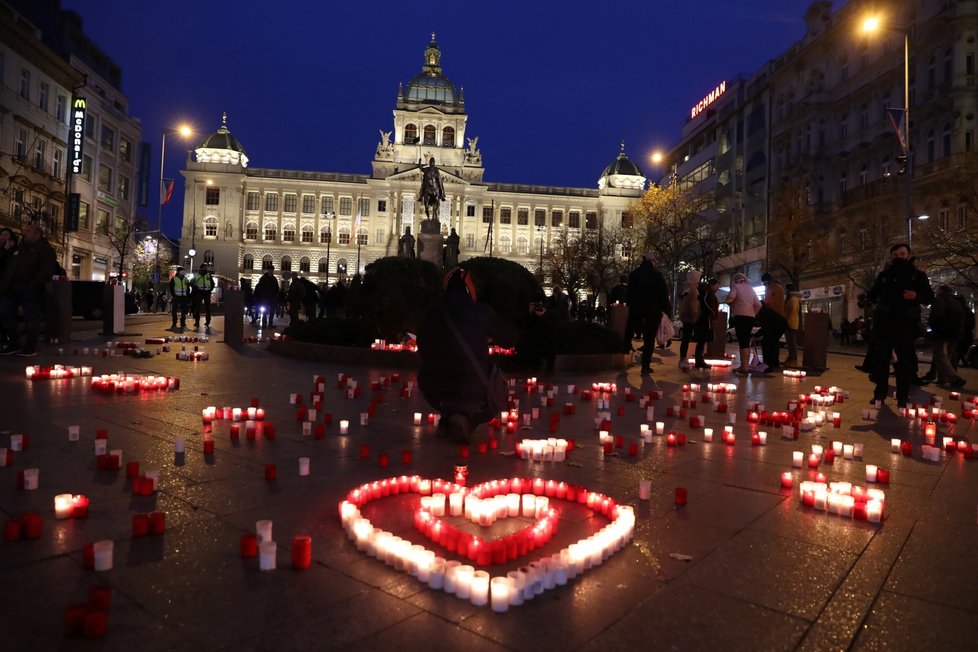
x=307 y=233
x=270 y=231
x=288 y=233
x=308 y=204
x=411 y=134
x=248 y=262
x=271 y=203
x=290 y=203
x=429 y=135
x=327 y=205
x=361 y=236
x=346 y=205
x=210 y=227
x=251 y=231
x=253 y=200
x=344 y=238
x=448 y=137
x=304 y=264
x=363 y=207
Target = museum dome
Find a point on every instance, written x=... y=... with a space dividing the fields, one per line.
x=222 y=147
x=430 y=86
x=624 y=166
x=622 y=174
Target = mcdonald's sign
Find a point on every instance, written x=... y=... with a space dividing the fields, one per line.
x=79 y=106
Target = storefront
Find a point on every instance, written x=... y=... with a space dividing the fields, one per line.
x=829 y=300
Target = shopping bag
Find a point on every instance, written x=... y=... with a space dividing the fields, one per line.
x=666 y=330
x=756 y=365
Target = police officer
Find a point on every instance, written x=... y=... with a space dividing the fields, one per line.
x=180 y=291
x=203 y=285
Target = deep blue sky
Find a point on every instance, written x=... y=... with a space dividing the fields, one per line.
x=550 y=87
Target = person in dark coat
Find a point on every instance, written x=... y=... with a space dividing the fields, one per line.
x=266 y=298
x=967 y=334
x=946 y=322
x=25 y=283
x=703 y=327
x=447 y=378
x=648 y=299
x=8 y=245
x=898 y=293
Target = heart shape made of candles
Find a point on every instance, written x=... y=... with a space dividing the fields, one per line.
x=463 y=580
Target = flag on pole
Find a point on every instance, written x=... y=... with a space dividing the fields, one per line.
x=492 y=218
x=897 y=118
x=169 y=192
x=356 y=225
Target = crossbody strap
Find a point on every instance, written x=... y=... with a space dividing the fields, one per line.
x=480 y=372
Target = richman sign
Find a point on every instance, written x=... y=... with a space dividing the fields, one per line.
x=78 y=107
x=713 y=96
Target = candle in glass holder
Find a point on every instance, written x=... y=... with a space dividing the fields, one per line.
x=787 y=480
x=871 y=473
x=266 y=555
x=63 y=506
x=344 y=426
x=797 y=458
x=301 y=551
x=480 y=588
x=644 y=489
x=263 y=529
x=103 y=554
x=303 y=466
x=501 y=589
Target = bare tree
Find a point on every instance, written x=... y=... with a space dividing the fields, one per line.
x=952 y=237
x=121 y=236
x=794 y=239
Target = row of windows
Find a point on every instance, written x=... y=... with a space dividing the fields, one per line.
x=290 y=203
x=270 y=233
x=429 y=135
x=540 y=217
x=285 y=264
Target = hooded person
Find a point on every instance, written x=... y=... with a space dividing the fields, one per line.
x=456 y=377
x=648 y=299
x=689 y=313
x=744 y=306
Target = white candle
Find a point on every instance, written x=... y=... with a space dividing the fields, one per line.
x=644 y=489
x=236 y=414
x=870 y=473
x=73 y=433
x=895 y=445
x=101 y=447
x=451 y=575
x=266 y=555
x=707 y=434
x=857 y=451
x=529 y=505
x=480 y=588
x=103 y=554
x=437 y=504
x=660 y=427
x=847 y=451
x=762 y=436
x=62 y=506
x=263 y=529
x=417 y=418
x=306 y=428
x=436 y=580
x=30 y=478
x=874 y=511
x=797 y=458
x=178 y=444
x=303 y=466
x=344 y=426
x=455 y=503
x=500 y=590
x=517 y=579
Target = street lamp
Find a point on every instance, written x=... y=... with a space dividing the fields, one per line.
x=193 y=234
x=185 y=132
x=910 y=228
x=873 y=24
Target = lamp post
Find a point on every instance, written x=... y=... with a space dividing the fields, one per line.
x=540 y=230
x=185 y=132
x=904 y=160
x=910 y=228
x=329 y=241
x=193 y=233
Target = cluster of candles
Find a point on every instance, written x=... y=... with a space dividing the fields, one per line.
x=26 y=526
x=485 y=512
x=544 y=450
x=90 y=619
x=821 y=454
x=384 y=345
x=261 y=544
x=729 y=438
x=935 y=413
x=70 y=506
x=213 y=413
x=122 y=383
x=844 y=499
x=144 y=524
x=796 y=374
x=464 y=581
x=193 y=356
x=55 y=372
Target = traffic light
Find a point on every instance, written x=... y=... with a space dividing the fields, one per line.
x=901 y=161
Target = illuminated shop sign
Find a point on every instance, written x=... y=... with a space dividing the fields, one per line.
x=708 y=100
x=78 y=107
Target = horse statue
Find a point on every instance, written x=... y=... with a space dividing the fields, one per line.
x=432 y=191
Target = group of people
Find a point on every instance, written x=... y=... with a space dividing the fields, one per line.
x=268 y=300
x=191 y=295
x=26 y=269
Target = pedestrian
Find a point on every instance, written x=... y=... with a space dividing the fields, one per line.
x=946 y=321
x=689 y=313
x=648 y=300
x=898 y=293
x=792 y=311
x=702 y=329
x=967 y=333
x=744 y=306
x=538 y=338
x=559 y=305
x=8 y=245
x=844 y=333
x=25 y=284
x=203 y=285
x=266 y=298
x=456 y=377
x=180 y=289
x=773 y=321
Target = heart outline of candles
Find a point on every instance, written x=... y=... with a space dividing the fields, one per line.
x=581 y=556
x=434 y=528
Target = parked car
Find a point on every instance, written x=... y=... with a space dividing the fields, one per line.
x=87 y=298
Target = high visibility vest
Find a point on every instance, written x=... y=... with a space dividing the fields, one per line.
x=204 y=282
x=181 y=286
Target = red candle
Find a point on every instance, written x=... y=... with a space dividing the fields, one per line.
x=33 y=527
x=320 y=431
x=829 y=456
x=96 y=623
x=140 y=525
x=250 y=433
x=235 y=432
x=882 y=476
x=301 y=551
x=80 y=504
x=633 y=449
x=254 y=401
x=157 y=523
x=813 y=461
x=269 y=431
x=481 y=447
x=405 y=457
x=364 y=451
x=249 y=546
x=787 y=480
x=75 y=619
x=100 y=597
x=383 y=459
x=681 y=496
x=608 y=448
x=208 y=447
x=88 y=556
x=906 y=448
x=132 y=469
x=12 y=530
x=463 y=451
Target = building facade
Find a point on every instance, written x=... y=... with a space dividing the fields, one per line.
x=329 y=226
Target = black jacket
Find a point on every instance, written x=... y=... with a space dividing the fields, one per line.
x=894 y=314
x=647 y=293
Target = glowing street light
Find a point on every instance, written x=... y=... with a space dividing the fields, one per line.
x=183 y=131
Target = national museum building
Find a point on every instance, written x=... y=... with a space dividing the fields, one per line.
x=330 y=225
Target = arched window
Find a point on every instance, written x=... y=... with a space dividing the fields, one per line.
x=288 y=233
x=410 y=134
x=251 y=231
x=505 y=244
x=208 y=257
x=266 y=262
x=344 y=235
x=286 y=264
x=429 y=135
x=537 y=244
x=448 y=137
x=324 y=266
x=210 y=227
x=248 y=262
x=270 y=231
x=341 y=266
x=304 y=264
x=522 y=245
x=325 y=235
x=361 y=236
x=307 y=233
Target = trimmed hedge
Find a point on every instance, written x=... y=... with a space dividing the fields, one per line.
x=584 y=337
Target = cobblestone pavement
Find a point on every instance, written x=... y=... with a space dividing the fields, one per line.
x=743 y=565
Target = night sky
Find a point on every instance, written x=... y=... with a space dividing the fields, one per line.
x=550 y=87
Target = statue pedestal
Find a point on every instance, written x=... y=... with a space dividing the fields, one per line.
x=431 y=248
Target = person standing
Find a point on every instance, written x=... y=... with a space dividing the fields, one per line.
x=946 y=322
x=203 y=285
x=898 y=293
x=266 y=298
x=773 y=321
x=792 y=311
x=180 y=289
x=26 y=281
x=689 y=313
x=648 y=299
x=744 y=306
x=703 y=328
x=8 y=245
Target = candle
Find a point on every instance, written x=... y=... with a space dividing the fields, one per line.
x=847 y=451
x=874 y=511
x=797 y=458
x=787 y=481
x=263 y=529
x=157 y=523
x=660 y=427
x=871 y=473
x=266 y=555
x=62 y=506
x=303 y=466
x=463 y=581
x=103 y=554
x=644 y=489
x=301 y=551
x=480 y=588
x=708 y=434
x=501 y=589
x=681 y=496
x=344 y=426
x=249 y=546
x=73 y=433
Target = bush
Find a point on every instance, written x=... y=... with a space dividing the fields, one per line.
x=336 y=330
x=506 y=286
x=584 y=337
x=395 y=295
